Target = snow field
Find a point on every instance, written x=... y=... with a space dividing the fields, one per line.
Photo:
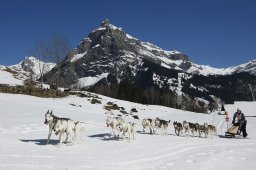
x=23 y=136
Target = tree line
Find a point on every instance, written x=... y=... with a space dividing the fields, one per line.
x=150 y=95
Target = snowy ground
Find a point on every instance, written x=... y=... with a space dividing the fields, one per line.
x=8 y=78
x=23 y=136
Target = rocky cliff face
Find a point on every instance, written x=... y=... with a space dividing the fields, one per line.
x=109 y=56
x=109 y=50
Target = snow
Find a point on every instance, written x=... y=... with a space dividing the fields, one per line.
x=165 y=65
x=151 y=47
x=115 y=27
x=8 y=78
x=34 y=64
x=77 y=57
x=130 y=37
x=172 y=52
x=208 y=70
x=89 y=81
x=97 y=45
x=23 y=135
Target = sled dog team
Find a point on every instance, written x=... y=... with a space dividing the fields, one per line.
x=72 y=129
x=180 y=128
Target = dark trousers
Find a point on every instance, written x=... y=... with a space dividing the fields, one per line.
x=242 y=125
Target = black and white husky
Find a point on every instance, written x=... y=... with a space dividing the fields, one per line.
x=62 y=126
x=127 y=127
x=163 y=124
x=212 y=130
x=186 y=127
x=203 y=129
x=113 y=122
x=150 y=124
x=193 y=127
x=177 y=127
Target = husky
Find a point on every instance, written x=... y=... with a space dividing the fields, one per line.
x=203 y=129
x=65 y=126
x=51 y=120
x=193 y=127
x=128 y=127
x=113 y=122
x=177 y=127
x=186 y=127
x=150 y=124
x=163 y=124
x=212 y=130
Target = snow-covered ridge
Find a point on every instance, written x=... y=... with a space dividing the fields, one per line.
x=34 y=65
x=152 y=47
x=8 y=78
x=16 y=74
x=249 y=67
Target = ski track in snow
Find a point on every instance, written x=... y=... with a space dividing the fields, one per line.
x=23 y=136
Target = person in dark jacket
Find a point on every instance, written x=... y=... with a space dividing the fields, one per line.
x=239 y=120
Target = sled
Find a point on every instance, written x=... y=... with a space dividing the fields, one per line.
x=232 y=132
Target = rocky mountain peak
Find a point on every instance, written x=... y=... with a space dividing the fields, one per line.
x=32 y=64
x=105 y=23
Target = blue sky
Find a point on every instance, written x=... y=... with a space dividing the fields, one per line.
x=218 y=33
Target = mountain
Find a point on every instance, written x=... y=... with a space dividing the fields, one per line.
x=249 y=67
x=111 y=62
x=109 y=50
x=16 y=74
x=31 y=64
x=7 y=76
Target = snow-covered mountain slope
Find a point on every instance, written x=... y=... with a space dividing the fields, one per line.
x=7 y=77
x=23 y=136
x=249 y=67
x=32 y=64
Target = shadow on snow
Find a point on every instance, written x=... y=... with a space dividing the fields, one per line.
x=41 y=141
x=104 y=136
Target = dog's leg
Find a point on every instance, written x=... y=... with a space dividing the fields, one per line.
x=112 y=133
x=133 y=134
x=66 y=140
x=150 y=130
x=73 y=139
x=60 y=138
x=123 y=137
x=49 y=135
x=114 y=128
